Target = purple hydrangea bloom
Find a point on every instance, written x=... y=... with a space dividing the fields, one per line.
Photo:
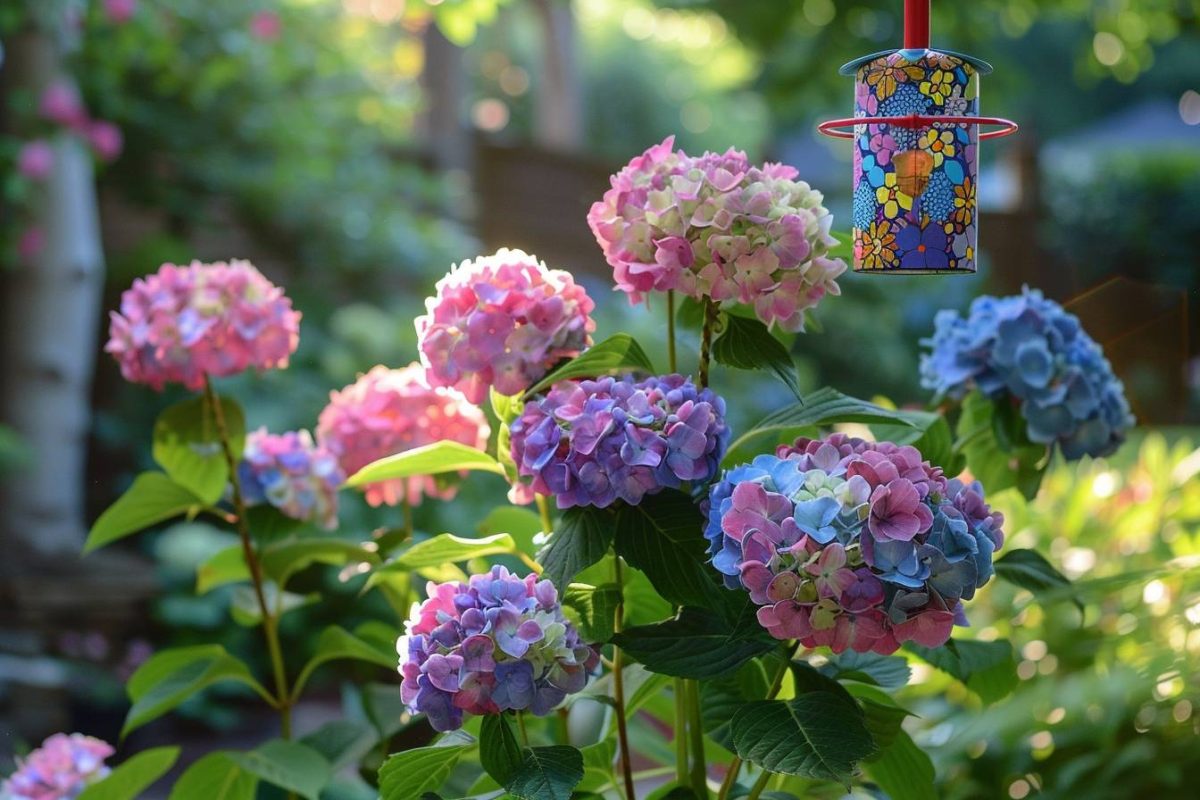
x=594 y=442
x=60 y=769
x=852 y=544
x=497 y=643
x=293 y=474
x=1029 y=349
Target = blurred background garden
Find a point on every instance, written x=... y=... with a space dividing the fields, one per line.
x=354 y=149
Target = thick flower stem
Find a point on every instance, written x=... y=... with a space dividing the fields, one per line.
x=699 y=770
x=671 y=360
x=706 y=337
x=759 y=785
x=681 y=753
x=619 y=686
x=283 y=697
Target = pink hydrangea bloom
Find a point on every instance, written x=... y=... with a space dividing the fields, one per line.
x=501 y=321
x=31 y=243
x=120 y=11
x=60 y=103
x=58 y=770
x=718 y=227
x=266 y=25
x=293 y=474
x=388 y=411
x=181 y=324
x=106 y=140
x=36 y=160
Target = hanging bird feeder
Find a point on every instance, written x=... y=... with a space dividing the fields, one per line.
x=916 y=131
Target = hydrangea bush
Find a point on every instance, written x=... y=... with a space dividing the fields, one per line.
x=741 y=593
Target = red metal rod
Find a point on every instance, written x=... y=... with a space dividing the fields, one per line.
x=916 y=24
x=837 y=127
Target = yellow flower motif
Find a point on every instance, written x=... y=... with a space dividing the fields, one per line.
x=891 y=198
x=939 y=85
x=876 y=246
x=886 y=75
x=964 y=203
x=939 y=144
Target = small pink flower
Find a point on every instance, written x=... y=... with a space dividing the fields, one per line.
x=60 y=103
x=60 y=769
x=830 y=573
x=36 y=160
x=106 y=140
x=266 y=25
x=120 y=11
x=897 y=512
x=929 y=628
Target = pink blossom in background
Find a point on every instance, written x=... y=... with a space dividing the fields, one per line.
x=60 y=103
x=181 y=324
x=266 y=25
x=58 y=770
x=36 y=160
x=120 y=11
x=388 y=411
x=31 y=243
x=502 y=321
x=106 y=140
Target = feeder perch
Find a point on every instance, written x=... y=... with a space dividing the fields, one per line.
x=916 y=131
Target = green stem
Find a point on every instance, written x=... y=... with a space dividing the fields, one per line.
x=681 y=754
x=521 y=728
x=619 y=686
x=671 y=363
x=270 y=623
x=706 y=337
x=699 y=770
x=564 y=727
x=759 y=785
x=544 y=510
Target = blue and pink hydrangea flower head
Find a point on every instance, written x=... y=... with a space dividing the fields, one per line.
x=496 y=643
x=292 y=473
x=852 y=544
x=182 y=324
x=718 y=227
x=593 y=442
x=1028 y=350
x=60 y=769
x=502 y=321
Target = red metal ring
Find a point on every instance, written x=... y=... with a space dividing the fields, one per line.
x=833 y=127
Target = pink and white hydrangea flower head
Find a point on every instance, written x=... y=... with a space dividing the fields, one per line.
x=717 y=227
x=501 y=321
x=60 y=769
x=292 y=473
x=186 y=324
x=388 y=411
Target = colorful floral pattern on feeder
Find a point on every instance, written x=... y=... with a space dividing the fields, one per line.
x=914 y=187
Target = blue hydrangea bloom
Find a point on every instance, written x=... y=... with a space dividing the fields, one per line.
x=1029 y=348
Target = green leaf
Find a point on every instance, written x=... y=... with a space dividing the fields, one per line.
x=412 y=773
x=336 y=643
x=172 y=676
x=130 y=779
x=903 y=770
x=1030 y=570
x=816 y=735
x=823 y=407
x=997 y=465
x=883 y=716
x=446 y=548
x=223 y=567
x=663 y=536
x=216 y=776
x=282 y=559
x=499 y=752
x=187 y=446
x=720 y=699
x=432 y=459
x=547 y=773
x=595 y=609
x=697 y=643
x=583 y=537
x=342 y=742
x=987 y=668
x=245 y=610
x=152 y=498
x=748 y=344
x=929 y=432
x=890 y=672
x=521 y=523
x=617 y=354
x=289 y=765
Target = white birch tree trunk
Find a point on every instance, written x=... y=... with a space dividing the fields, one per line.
x=558 y=108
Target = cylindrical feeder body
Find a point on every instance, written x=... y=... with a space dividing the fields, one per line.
x=915 y=180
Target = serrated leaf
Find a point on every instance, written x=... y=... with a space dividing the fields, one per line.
x=583 y=537
x=547 y=773
x=890 y=672
x=188 y=448
x=245 y=610
x=748 y=344
x=335 y=644
x=617 y=354
x=595 y=609
x=1030 y=570
x=721 y=698
x=128 y=780
x=282 y=559
x=288 y=765
x=224 y=567
x=520 y=523
x=431 y=459
x=412 y=773
x=697 y=643
x=215 y=776
x=987 y=668
x=903 y=770
x=823 y=407
x=153 y=498
x=446 y=548
x=816 y=735
x=663 y=536
x=1021 y=464
x=342 y=741
x=500 y=753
